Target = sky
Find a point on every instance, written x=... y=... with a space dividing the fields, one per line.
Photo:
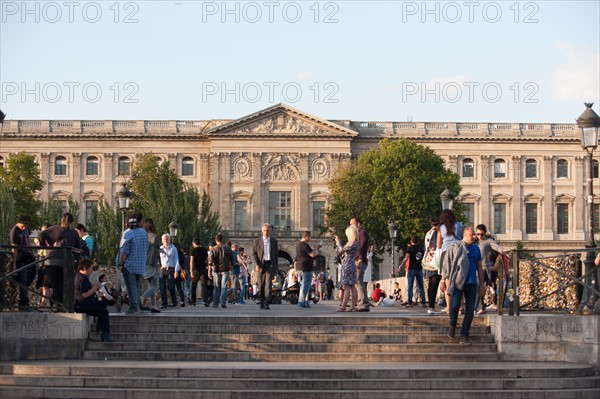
x=462 y=61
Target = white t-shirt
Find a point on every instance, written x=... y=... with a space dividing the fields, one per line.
x=369 y=270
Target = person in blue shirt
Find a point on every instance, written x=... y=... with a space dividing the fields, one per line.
x=463 y=272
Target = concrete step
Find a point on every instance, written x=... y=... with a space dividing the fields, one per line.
x=145 y=393
x=350 y=338
x=254 y=384
x=329 y=348
x=216 y=356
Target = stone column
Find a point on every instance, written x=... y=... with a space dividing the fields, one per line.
x=76 y=156
x=45 y=172
x=516 y=207
x=225 y=180
x=107 y=170
x=258 y=218
x=548 y=204
x=485 y=206
x=304 y=194
x=580 y=210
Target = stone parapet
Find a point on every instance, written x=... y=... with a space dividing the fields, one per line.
x=546 y=337
x=42 y=336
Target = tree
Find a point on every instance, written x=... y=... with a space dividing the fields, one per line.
x=21 y=178
x=401 y=182
x=8 y=214
x=160 y=194
x=51 y=210
x=105 y=228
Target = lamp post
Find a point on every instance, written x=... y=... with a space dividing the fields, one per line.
x=393 y=229
x=123 y=196
x=173 y=227
x=447 y=198
x=588 y=123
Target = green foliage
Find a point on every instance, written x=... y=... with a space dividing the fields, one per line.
x=161 y=195
x=401 y=181
x=21 y=178
x=51 y=210
x=8 y=213
x=105 y=228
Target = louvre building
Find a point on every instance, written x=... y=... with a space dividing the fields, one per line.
x=525 y=181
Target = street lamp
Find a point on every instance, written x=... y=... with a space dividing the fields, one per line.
x=447 y=198
x=588 y=123
x=173 y=226
x=393 y=229
x=124 y=196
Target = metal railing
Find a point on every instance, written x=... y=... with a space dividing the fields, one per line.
x=563 y=278
x=9 y=276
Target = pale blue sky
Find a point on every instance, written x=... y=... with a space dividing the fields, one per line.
x=478 y=61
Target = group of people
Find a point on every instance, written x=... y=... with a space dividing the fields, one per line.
x=468 y=263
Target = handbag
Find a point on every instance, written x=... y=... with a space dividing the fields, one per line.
x=431 y=260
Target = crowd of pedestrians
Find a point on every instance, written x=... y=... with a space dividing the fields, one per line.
x=223 y=273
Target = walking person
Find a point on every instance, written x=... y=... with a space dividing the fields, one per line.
x=305 y=256
x=446 y=236
x=433 y=276
x=463 y=271
x=199 y=272
x=133 y=253
x=414 y=255
x=349 y=268
x=265 y=252
x=486 y=246
x=220 y=262
x=169 y=264
x=151 y=275
x=363 y=304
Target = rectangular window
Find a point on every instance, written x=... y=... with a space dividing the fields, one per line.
x=469 y=213
x=500 y=218
x=280 y=210
x=531 y=218
x=468 y=169
x=562 y=218
x=241 y=209
x=89 y=209
x=318 y=214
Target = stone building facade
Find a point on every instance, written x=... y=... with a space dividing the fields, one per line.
x=525 y=181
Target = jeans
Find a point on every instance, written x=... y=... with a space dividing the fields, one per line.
x=167 y=281
x=470 y=293
x=220 y=280
x=150 y=292
x=305 y=279
x=202 y=279
x=411 y=281
x=132 y=282
x=242 y=296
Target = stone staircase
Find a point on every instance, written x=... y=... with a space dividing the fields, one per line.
x=218 y=355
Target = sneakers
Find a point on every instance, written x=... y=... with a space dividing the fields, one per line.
x=431 y=311
x=451 y=332
x=465 y=341
x=481 y=311
x=492 y=307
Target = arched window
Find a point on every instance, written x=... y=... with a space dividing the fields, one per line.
x=187 y=166
x=124 y=168
x=91 y=166
x=60 y=166
x=468 y=168
x=499 y=168
x=530 y=168
x=562 y=168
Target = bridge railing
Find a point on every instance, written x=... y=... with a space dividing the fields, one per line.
x=9 y=277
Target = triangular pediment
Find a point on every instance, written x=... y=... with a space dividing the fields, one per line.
x=284 y=121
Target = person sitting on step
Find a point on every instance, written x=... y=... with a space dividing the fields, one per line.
x=85 y=298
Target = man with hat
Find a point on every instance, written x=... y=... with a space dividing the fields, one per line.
x=132 y=261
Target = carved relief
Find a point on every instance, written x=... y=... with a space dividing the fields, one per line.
x=319 y=169
x=242 y=168
x=280 y=124
x=281 y=167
